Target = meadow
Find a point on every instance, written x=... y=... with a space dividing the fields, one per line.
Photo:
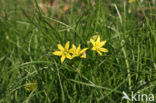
x=38 y=65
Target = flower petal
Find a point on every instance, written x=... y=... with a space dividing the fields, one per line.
x=103 y=50
x=101 y=43
x=83 y=50
x=68 y=56
x=93 y=48
x=62 y=59
x=58 y=53
x=83 y=55
x=73 y=46
x=98 y=39
x=67 y=45
x=71 y=50
x=73 y=56
x=92 y=41
x=99 y=52
x=60 y=47
x=78 y=49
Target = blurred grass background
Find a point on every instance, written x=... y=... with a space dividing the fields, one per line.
x=30 y=31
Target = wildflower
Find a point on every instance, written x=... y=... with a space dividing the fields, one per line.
x=97 y=45
x=31 y=86
x=78 y=51
x=131 y=1
x=64 y=51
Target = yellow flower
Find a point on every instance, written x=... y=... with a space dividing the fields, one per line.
x=131 y=1
x=78 y=51
x=64 y=51
x=97 y=45
x=31 y=86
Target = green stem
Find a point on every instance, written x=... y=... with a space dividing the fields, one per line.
x=127 y=64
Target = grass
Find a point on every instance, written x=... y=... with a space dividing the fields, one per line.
x=29 y=35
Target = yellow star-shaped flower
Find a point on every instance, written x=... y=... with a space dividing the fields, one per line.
x=78 y=51
x=64 y=51
x=31 y=86
x=98 y=46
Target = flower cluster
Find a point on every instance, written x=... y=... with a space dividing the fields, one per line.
x=70 y=53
